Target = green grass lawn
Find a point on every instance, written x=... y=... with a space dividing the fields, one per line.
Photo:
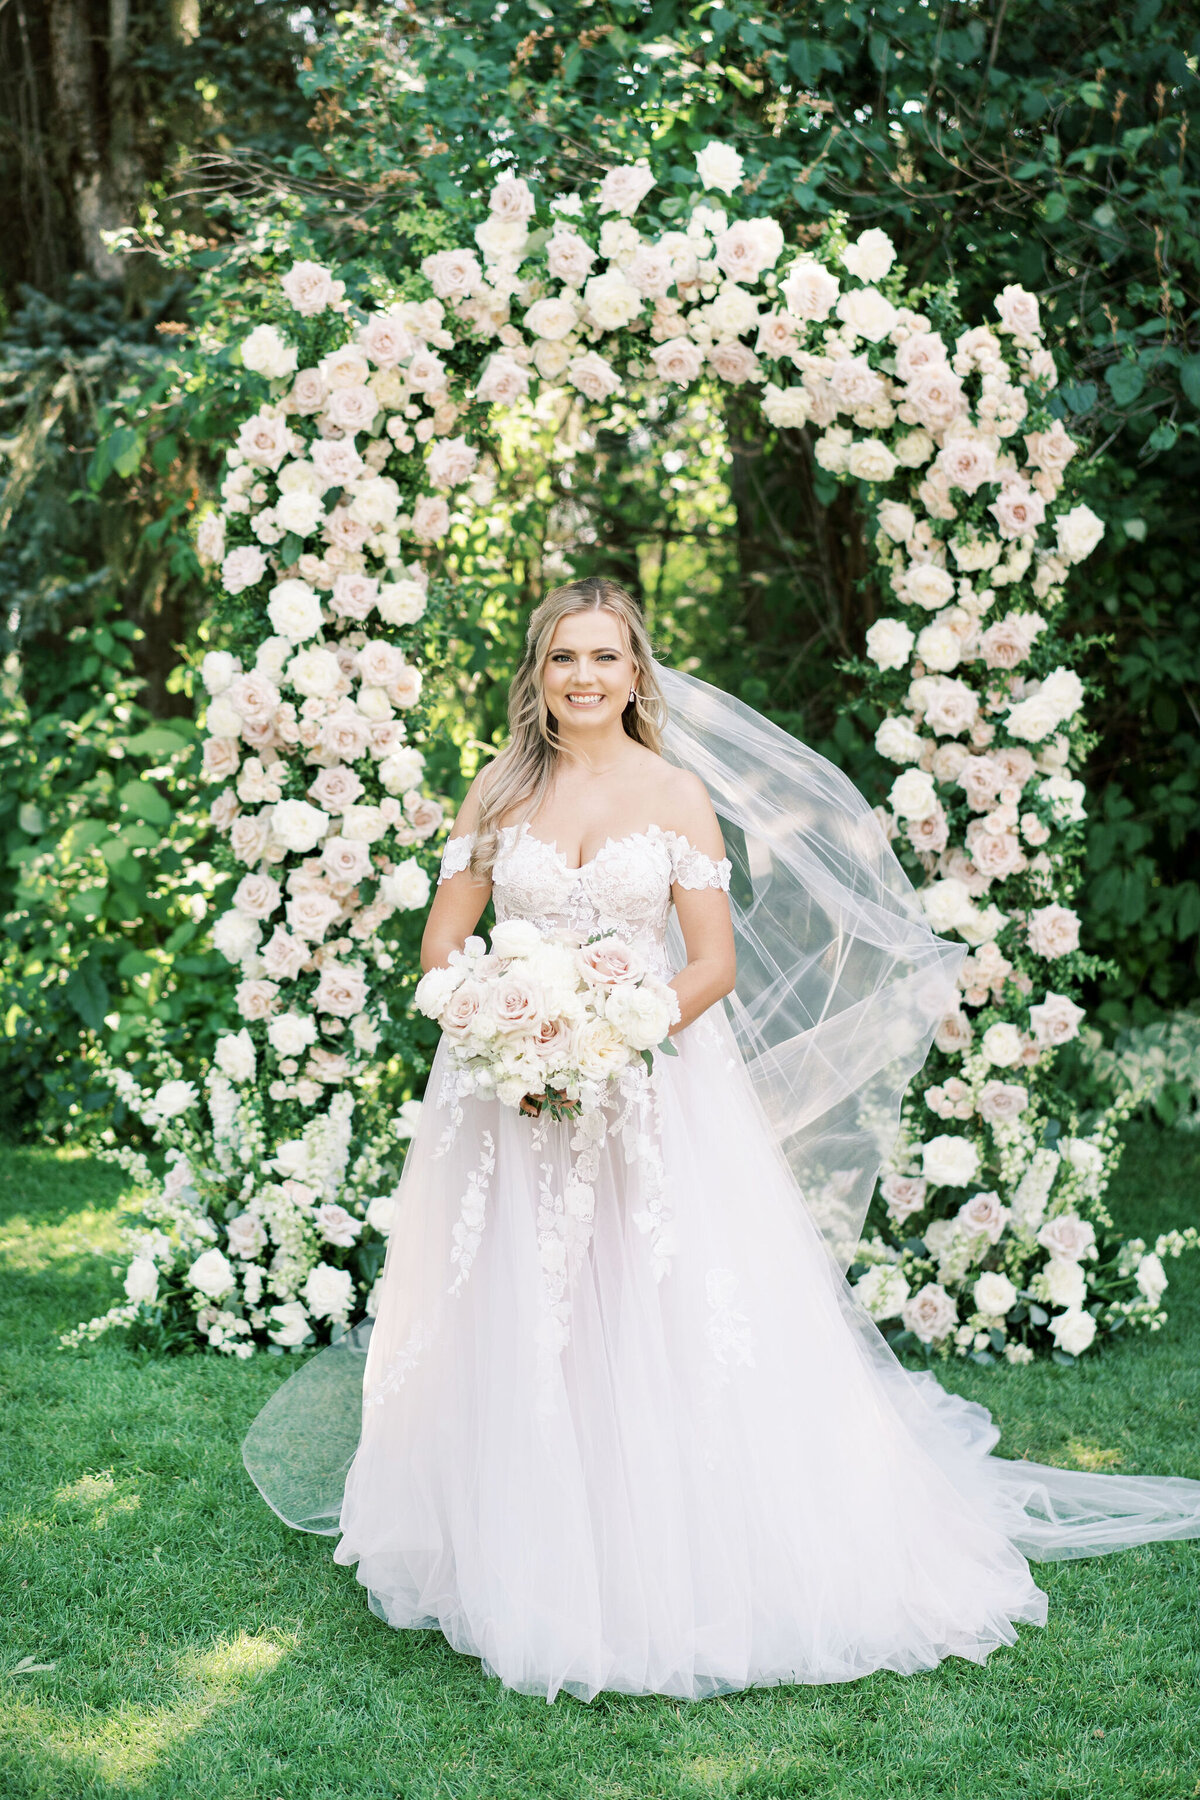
x=199 y=1648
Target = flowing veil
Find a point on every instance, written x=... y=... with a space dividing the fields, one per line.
x=841 y=984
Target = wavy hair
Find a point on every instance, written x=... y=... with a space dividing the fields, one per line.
x=521 y=775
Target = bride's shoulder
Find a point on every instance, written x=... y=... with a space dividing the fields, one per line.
x=680 y=804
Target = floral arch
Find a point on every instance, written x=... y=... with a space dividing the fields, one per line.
x=270 y=1226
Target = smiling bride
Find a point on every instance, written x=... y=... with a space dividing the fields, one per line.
x=621 y=1422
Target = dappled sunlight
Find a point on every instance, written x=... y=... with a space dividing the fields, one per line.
x=129 y=1743
x=95 y=1494
x=1080 y=1455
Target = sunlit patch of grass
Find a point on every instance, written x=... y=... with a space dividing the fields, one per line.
x=1093 y=1456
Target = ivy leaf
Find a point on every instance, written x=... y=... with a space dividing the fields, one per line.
x=1126 y=380
x=1189 y=379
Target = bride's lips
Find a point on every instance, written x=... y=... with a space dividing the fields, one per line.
x=584 y=701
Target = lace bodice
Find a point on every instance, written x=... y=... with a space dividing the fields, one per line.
x=625 y=888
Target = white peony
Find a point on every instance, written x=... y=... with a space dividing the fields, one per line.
x=641 y=1014
x=949 y=1161
x=211 y=1275
x=516 y=937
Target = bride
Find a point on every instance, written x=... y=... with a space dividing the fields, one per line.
x=623 y=1424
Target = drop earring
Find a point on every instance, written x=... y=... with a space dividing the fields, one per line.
x=632 y=695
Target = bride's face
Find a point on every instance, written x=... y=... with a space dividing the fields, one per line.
x=588 y=672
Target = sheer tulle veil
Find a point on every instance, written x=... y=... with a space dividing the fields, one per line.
x=841 y=982
x=841 y=985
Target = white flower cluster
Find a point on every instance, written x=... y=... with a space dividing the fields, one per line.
x=252 y=1247
x=545 y=1018
x=983 y=1274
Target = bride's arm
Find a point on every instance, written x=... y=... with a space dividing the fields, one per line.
x=703 y=912
x=458 y=902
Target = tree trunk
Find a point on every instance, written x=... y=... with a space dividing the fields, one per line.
x=82 y=121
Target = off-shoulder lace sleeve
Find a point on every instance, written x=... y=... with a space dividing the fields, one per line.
x=691 y=868
x=455 y=856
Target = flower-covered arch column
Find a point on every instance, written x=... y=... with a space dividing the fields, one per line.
x=341 y=492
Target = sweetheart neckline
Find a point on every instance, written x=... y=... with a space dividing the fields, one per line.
x=626 y=837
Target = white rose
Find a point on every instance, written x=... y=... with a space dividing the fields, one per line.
x=402 y=770
x=1078 y=533
x=297 y=825
x=786 y=408
x=218 y=670
x=1001 y=1045
x=141 y=1280
x=719 y=166
x=928 y=586
x=994 y=1294
x=291 y=1033
x=949 y=1161
x=930 y=1314
x=211 y=1275
x=243 y=568
x=871 y=460
x=897 y=740
x=1065 y=1283
x=328 y=1292
x=1068 y=1237
x=235 y=935
x=1066 y=798
x=870 y=257
x=939 y=648
x=294 y=610
x=809 y=290
x=946 y=903
x=1073 y=1331
x=1056 y=1020
x=292 y=1324
x=612 y=301
x=234 y=1055
x=401 y=602
x=407 y=887
x=866 y=313
x=624 y=188
x=316 y=673
x=265 y=352
x=310 y=288
x=222 y=719
x=889 y=643
x=913 y=795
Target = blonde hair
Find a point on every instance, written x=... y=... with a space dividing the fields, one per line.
x=522 y=773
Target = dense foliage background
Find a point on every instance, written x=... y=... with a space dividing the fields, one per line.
x=1046 y=144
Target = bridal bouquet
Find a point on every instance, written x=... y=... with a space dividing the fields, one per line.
x=544 y=1019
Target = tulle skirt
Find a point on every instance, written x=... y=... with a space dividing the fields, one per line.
x=620 y=1423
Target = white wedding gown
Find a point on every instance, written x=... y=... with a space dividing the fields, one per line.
x=623 y=1424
